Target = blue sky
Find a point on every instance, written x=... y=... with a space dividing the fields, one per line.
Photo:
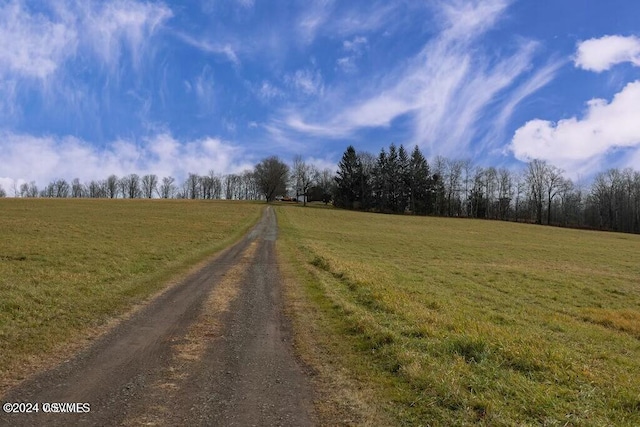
x=89 y=88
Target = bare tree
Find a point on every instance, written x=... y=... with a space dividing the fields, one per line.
x=553 y=181
x=130 y=186
x=250 y=190
x=57 y=188
x=98 y=189
x=271 y=176
x=303 y=175
x=505 y=192
x=149 y=185
x=491 y=187
x=467 y=181
x=536 y=175
x=29 y=189
x=216 y=185
x=232 y=187
x=453 y=177
x=2 y=192
x=62 y=188
x=167 y=188
x=77 y=189
x=192 y=185
x=520 y=185
x=112 y=187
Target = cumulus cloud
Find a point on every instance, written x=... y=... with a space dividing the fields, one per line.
x=600 y=54
x=576 y=142
x=41 y=159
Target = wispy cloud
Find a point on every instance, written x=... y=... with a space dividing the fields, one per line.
x=224 y=49
x=445 y=89
x=353 y=50
x=204 y=88
x=109 y=26
x=313 y=17
x=267 y=91
x=31 y=45
x=307 y=82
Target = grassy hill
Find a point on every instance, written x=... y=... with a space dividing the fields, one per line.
x=439 y=321
x=67 y=266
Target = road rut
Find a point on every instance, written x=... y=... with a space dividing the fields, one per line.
x=216 y=349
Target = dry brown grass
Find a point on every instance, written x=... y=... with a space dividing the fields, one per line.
x=69 y=268
x=463 y=322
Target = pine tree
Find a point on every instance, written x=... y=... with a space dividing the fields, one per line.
x=403 y=180
x=419 y=183
x=349 y=181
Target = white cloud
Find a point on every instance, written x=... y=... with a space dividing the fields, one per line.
x=356 y=45
x=540 y=78
x=444 y=90
x=33 y=45
x=603 y=53
x=314 y=16
x=70 y=157
x=204 y=88
x=466 y=19
x=224 y=49
x=267 y=91
x=576 y=142
x=107 y=26
x=354 y=49
x=306 y=81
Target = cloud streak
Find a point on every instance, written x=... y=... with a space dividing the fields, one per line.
x=444 y=90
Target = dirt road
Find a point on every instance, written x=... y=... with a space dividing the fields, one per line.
x=214 y=349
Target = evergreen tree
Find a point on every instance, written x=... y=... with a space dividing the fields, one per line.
x=403 y=180
x=348 y=190
x=380 y=183
x=393 y=178
x=419 y=183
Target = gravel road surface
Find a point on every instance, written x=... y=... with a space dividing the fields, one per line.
x=214 y=349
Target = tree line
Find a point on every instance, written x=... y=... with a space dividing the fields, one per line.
x=241 y=186
x=398 y=182
x=269 y=179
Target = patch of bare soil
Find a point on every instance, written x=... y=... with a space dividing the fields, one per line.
x=216 y=349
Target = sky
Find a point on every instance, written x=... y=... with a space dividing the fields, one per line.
x=92 y=88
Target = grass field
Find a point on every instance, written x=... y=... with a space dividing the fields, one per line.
x=457 y=322
x=69 y=265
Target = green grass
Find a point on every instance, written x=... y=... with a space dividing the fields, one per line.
x=69 y=265
x=458 y=322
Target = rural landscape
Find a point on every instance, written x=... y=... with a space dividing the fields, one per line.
x=319 y=212
x=456 y=321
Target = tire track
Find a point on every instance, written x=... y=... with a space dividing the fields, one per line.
x=215 y=349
